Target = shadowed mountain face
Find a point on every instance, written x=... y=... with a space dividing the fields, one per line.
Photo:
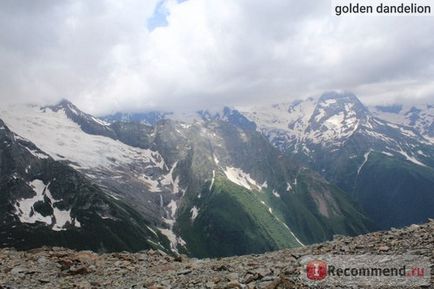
x=46 y=202
x=214 y=186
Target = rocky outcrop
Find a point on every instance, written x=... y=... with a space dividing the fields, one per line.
x=64 y=268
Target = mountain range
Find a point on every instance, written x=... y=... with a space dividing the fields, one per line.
x=213 y=183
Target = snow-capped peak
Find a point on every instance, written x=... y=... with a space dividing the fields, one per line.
x=336 y=117
x=87 y=122
x=420 y=117
x=328 y=120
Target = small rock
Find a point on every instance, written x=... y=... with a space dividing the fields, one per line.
x=80 y=270
x=65 y=264
x=232 y=277
x=184 y=272
x=18 y=270
x=234 y=284
x=221 y=267
x=42 y=261
x=384 y=248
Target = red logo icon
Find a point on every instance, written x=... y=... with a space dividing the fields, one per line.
x=316 y=270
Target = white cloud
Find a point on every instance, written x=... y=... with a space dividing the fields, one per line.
x=100 y=55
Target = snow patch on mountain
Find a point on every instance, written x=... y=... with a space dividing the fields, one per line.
x=387 y=154
x=411 y=159
x=173 y=239
x=335 y=121
x=170 y=219
x=37 y=154
x=172 y=207
x=194 y=213
x=328 y=102
x=151 y=184
x=216 y=160
x=26 y=212
x=239 y=177
x=168 y=180
x=63 y=217
x=276 y=194
x=161 y=183
x=270 y=210
x=99 y=121
x=212 y=180
x=25 y=207
x=288 y=187
x=365 y=159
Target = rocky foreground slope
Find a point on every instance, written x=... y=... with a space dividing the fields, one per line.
x=64 y=268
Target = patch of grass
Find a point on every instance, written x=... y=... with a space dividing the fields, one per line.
x=232 y=221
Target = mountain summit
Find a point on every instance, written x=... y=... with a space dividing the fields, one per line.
x=387 y=168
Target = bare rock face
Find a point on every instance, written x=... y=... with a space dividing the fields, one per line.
x=64 y=268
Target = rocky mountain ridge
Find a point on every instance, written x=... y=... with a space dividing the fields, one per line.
x=46 y=202
x=420 y=116
x=382 y=156
x=211 y=188
x=386 y=167
x=63 y=268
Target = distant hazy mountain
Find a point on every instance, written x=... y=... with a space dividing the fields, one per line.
x=387 y=168
x=419 y=117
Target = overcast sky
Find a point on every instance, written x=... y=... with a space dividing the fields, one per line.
x=132 y=55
